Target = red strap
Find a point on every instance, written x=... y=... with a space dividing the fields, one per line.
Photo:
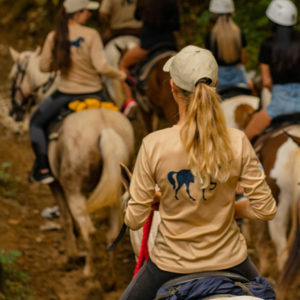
x=144 y=254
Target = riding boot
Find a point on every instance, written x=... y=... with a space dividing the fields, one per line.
x=258 y=123
x=41 y=163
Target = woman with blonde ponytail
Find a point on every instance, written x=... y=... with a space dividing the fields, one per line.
x=228 y=44
x=196 y=164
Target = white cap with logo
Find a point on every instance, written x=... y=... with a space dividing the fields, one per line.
x=72 y=6
x=190 y=65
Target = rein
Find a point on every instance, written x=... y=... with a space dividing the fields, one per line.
x=144 y=253
x=26 y=101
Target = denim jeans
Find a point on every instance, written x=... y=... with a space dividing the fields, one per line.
x=47 y=111
x=231 y=75
x=285 y=99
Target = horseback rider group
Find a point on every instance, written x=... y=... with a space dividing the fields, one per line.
x=196 y=233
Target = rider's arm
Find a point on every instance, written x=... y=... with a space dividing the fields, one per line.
x=99 y=60
x=261 y=204
x=244 y=46
x=243 y=56
x=105 y=10
x=142 y=191
x=46 y=55
x=266 y=76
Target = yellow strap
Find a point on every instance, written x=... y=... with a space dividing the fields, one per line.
x=90 y=103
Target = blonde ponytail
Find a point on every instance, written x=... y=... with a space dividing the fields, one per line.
x=204 y=133
x=227 y=36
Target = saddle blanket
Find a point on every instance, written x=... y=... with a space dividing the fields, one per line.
x=217 y=285
x=90 y=103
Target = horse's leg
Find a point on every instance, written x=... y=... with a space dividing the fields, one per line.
x=114 y=227
x=188 y=191
x=77 y=203
x=259 y=242
x=66 y=218
x=278 y=227
x=147 y=120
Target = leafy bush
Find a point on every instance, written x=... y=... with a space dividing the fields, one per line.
x=14 y=281
x=8 y=187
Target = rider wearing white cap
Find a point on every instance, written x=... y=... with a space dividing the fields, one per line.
x=279 y=59
x=196 y=164
x=118 y=15
x=228 y=44
x=77 y=52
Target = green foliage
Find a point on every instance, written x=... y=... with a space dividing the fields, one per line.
x=250 y=17
x=14 y=280
x=8 y=187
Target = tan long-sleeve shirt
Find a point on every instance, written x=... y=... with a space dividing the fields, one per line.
x=198 y=231
x=88 y=61
x=121 y=13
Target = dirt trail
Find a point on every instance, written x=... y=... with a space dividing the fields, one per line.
x=43 y=253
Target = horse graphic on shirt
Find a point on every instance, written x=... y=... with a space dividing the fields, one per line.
x=186 y=177
x=77 y=42
x=182 y=177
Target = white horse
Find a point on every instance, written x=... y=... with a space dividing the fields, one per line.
x=113 y=50
x=85 y=159
x=279 y=153
x=30 y=86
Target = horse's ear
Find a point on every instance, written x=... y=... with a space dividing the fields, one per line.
x=125 y=176
x=14 y=54
x=37 y=50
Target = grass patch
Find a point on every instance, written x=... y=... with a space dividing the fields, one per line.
x=8 y=183
x=13 y=281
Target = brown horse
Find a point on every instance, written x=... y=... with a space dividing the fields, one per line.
x=160 y=103
x=153 y=94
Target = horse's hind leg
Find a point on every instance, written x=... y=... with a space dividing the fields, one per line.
x=66 y=218
x=278 y=228
x=114 y=227
x=77 y=203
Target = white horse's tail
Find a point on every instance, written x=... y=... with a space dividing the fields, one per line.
x=108 y=191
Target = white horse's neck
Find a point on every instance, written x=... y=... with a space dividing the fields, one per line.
x=38 y=78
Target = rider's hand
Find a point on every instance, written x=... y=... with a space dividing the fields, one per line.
x=156 y=200
x=130 y=80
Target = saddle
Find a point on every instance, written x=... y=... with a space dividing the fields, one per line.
x=279 y=125
x=232 y=91
x=143 y=69
x=76 y=106
x=205 y=285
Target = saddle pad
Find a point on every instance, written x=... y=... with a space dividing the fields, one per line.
x=90 y=103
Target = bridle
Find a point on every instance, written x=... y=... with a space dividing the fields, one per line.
x=19 y=109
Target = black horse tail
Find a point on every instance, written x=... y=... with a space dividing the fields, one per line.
x=171 y=180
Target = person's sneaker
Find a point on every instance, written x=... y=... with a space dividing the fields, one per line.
x=130 y=108
x=45 y=178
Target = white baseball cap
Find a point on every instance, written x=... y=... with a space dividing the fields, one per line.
x=72 y=6
x=190 y=65
x=282 y=12
x=221 y=6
